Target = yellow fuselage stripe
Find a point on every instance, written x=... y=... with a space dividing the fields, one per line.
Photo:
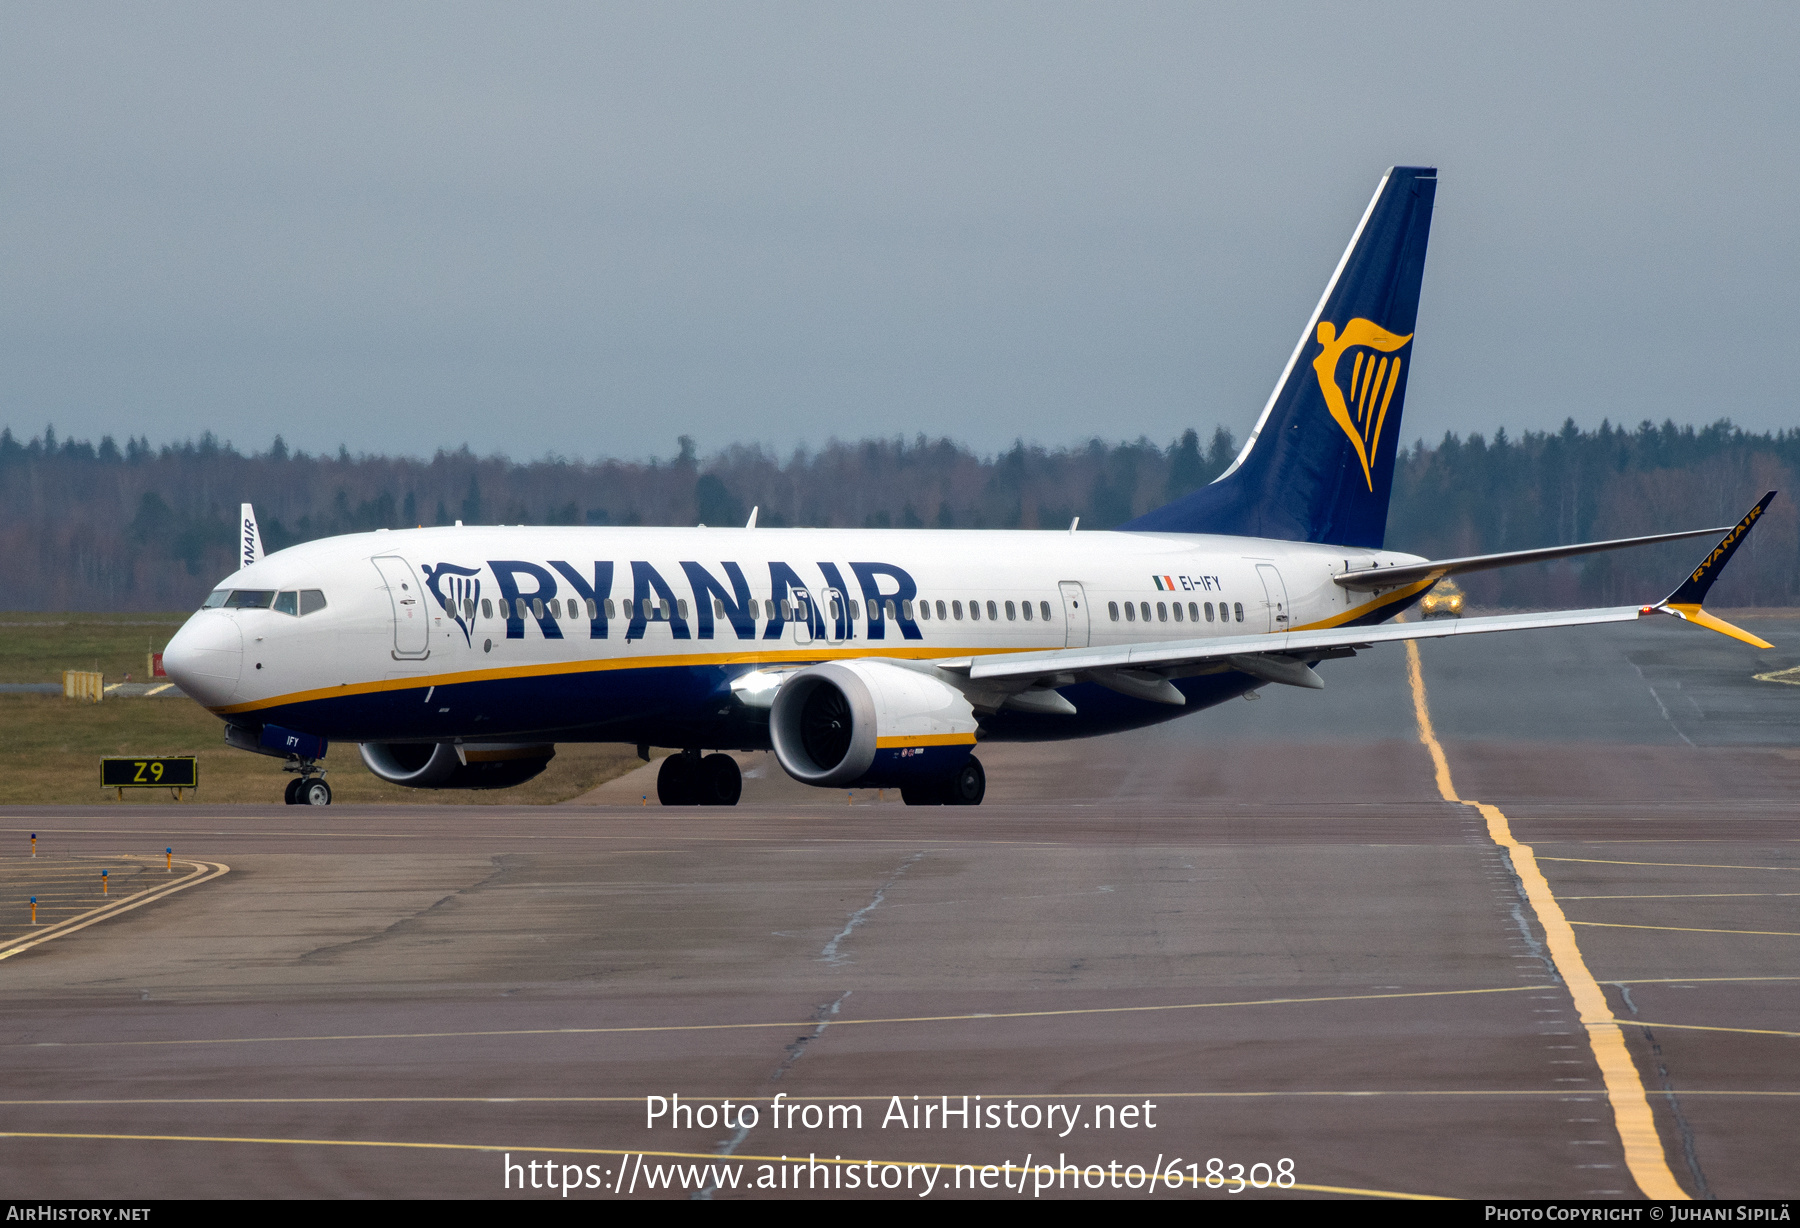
x=926 y=739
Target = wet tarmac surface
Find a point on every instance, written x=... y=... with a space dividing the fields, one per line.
x=1256 y=935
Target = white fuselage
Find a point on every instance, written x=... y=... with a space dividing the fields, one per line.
x=631 y=634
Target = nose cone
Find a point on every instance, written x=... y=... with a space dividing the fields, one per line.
x=206 y=656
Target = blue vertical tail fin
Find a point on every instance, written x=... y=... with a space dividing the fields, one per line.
x=1319 y=464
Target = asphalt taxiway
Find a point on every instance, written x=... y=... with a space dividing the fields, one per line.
x=1269 y=921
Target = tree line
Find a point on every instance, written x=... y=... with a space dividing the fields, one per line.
x=87 y=526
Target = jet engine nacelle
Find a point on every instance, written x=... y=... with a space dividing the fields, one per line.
x=870 y=723
x=464 y=765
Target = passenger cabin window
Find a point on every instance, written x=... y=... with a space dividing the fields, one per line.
x=1144 y=608
x=1193 y=612
x=487 y=608
x=924 y=611
x=609 y=608
x=993 y=613
x=906 y=610
x=287 y=603
x=681 y=606
x=975 y=611
x=956 y=609
x=593 y=611
x=1025 y=609
x=1044 y=610
x=1130 y=612
x=1209 y=616
x=940 y=611
x=1177 y=611
x=1239 y=607
x=1112 y=607
x=1012 y=612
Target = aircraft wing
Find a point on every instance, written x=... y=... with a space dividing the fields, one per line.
x=1280 y=657
x=1144 y=670
x=1371 y=579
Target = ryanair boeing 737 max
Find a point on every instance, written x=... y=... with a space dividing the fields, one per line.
x=458 y=657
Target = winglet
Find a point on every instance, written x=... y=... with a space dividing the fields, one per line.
x=249 y=540
x=1685 y=601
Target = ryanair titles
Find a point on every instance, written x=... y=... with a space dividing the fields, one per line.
x=515 y=591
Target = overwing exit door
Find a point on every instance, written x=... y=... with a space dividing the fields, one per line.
x=1075 y=615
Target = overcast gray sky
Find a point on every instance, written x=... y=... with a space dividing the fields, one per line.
x=587 y=229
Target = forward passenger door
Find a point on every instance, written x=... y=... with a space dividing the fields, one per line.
x=412 y=621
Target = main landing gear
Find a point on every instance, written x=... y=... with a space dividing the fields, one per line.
x=309 y=788
x=966 y=788
x=686 y=779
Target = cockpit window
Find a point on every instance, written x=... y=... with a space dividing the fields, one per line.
x=305 y=601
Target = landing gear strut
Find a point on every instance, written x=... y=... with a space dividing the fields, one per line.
x=309 y=788
x=686 y=779
x=966 y=788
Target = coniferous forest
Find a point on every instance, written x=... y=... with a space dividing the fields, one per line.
x=86 y=526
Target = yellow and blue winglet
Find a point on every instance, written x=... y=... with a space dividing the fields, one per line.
x=1686 y=600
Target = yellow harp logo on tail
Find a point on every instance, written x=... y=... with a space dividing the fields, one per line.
x=1373 y=375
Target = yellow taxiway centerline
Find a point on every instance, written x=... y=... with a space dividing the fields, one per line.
x=1632 y=1117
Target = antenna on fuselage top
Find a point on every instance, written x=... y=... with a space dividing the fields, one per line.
x=751 y=523
x=1072 y=525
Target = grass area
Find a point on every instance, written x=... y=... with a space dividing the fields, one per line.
x=39 y=647
x=50 y=747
